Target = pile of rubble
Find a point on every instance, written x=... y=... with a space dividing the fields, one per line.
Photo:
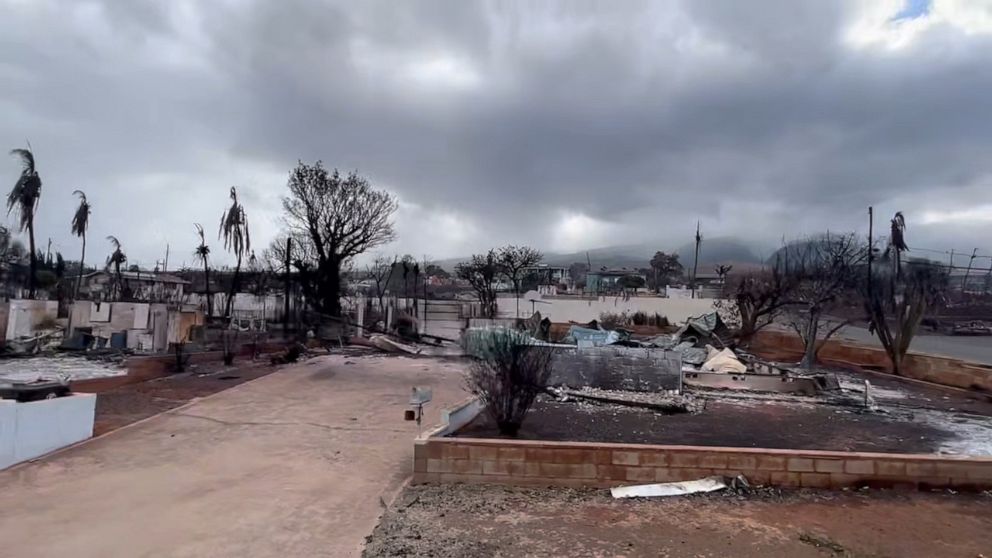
x=706 y=348
x=663 y=402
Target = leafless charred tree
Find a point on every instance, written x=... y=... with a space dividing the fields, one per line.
x=897 y=296
x=756 y=299
x=381 y=271
x=333 y=218
x=722 y=271
x=665 y=267
x=823 y=280
x=507 y=374
x=482 y=272
x=513 y=260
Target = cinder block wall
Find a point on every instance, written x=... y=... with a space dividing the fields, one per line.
x=626 y=368
x=578 y=464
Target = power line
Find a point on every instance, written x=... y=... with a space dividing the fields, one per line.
x=947 y=252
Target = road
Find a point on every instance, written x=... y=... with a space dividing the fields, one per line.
x=296 y=463
x=973 y=349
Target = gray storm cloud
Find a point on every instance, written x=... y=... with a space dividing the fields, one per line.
x=559 y=125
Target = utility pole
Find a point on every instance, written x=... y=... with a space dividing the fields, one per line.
x=871 y=249
x=695 y=262
x=48 y=252
x=165 y=265
x=285 y=311
x=967 y=272
x=988 y=278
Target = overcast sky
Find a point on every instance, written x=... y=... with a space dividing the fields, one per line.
x=563 y=126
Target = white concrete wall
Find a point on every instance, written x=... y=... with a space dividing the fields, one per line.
x=25 y=315
x=271 y=305
x=579 y=310
x=30 y=430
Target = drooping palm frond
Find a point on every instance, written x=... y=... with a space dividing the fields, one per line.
x=81 y=219
x=898 y=235
x=27 y=190
x=202 y=251
x=27 y=160
x=234 y=227
x=117 y=257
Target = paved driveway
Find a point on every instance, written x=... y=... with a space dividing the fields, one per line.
x=972 y=349
x=293 y=464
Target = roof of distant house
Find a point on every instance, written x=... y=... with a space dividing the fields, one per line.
x=615 y=271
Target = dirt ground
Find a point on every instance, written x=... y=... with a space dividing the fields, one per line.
x=723 y=423
x=298 y=463
x=127 y=404
x=913 y=418
x=466 y=521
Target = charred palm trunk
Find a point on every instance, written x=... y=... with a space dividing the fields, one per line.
x=82 y=267
x=32 y=280
x=206 y=282
x=234 y=288
x=119 y=281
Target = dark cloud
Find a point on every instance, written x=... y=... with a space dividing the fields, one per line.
x=559 y=125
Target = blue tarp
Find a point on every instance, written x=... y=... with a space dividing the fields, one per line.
x=595 y=337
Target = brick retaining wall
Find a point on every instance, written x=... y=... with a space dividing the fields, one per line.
x=438 y=458
x=584 y=464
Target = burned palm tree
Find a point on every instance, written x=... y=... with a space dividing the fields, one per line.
x=117 y=258
x=24 y=198
x=234 y=232
x=80 y=224
x=897 y=242
x=202 y=253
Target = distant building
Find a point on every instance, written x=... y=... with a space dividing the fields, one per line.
x=971 y=281
x=547 y=279
x=608 y=280
x=139 y=285
x=547 y=274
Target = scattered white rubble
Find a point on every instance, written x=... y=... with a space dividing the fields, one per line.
x=708 y=484
x=51 y=368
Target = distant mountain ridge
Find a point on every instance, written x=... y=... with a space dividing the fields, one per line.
x=712 y=251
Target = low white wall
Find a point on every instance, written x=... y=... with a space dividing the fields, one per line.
x=24 y=316
x=579 y=310
x=30 y=430
x=453 y=418
x=271 y=307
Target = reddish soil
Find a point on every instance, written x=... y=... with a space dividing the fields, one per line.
x=130 y=403
x=460 y=520
x=723 y=423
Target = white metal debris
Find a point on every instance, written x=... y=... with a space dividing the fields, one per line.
x=76 y=368
x=708 y=484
